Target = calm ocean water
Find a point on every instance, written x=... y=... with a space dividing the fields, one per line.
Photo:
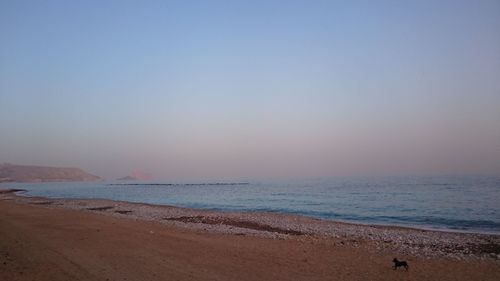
x=449 y=203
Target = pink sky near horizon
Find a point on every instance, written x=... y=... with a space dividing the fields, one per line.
x=257 y=89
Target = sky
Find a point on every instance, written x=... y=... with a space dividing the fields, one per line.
x=251 y=89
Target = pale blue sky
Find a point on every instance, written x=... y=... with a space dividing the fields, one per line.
x=243 y=89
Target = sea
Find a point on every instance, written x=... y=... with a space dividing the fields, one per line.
x=450 y=203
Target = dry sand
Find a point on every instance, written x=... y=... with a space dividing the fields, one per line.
x=48 y=239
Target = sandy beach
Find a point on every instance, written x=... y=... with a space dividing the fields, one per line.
x=61 y=239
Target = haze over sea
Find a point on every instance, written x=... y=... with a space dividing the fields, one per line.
x=456 y=203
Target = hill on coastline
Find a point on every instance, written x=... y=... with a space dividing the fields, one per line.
x=21 y=173
x=136 y=175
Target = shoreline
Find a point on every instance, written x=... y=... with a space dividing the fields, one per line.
x=19 y=192
x=94 y=240
x=386 y=238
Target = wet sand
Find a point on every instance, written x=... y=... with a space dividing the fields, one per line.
x=47 y=239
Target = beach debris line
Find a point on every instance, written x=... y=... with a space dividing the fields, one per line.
x=43 y=203
x=235 y=223
x=11 y=190
x=123 y=212
x=104 y=208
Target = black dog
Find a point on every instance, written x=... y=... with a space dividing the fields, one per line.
x=399 y=264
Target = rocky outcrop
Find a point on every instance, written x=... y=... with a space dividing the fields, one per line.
x=136 y=175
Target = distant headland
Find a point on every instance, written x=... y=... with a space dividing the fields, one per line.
x=21 y=173
x=136 y=175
